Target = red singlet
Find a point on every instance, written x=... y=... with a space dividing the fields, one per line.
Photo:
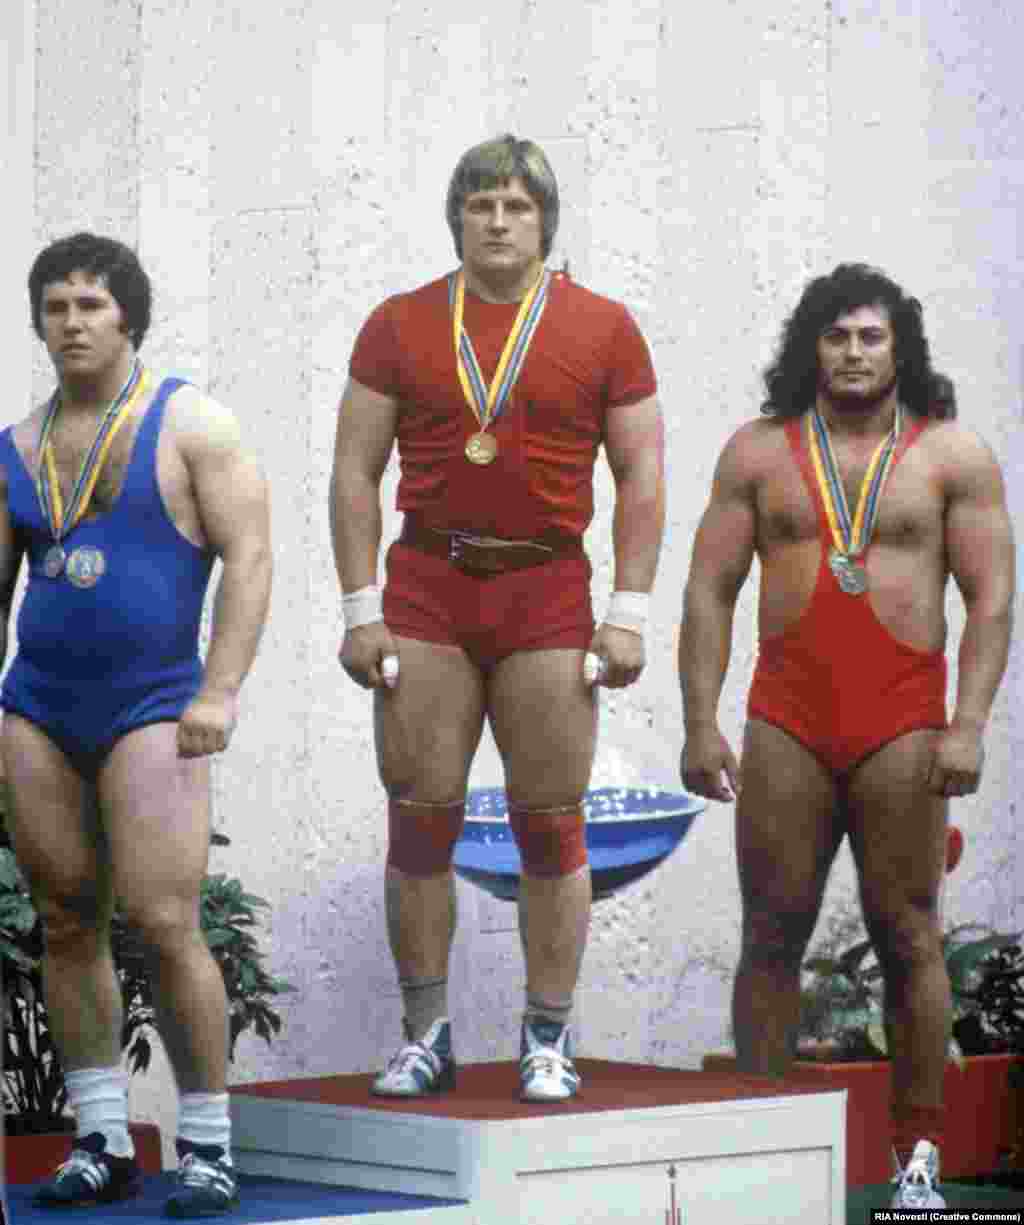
x=587 y=358
x=837 y=680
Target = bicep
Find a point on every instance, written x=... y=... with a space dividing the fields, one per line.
x=979 y=535
x=11 y=549
x=367 y=422
x=723 y=548
x=232 y=495
x=634 y=439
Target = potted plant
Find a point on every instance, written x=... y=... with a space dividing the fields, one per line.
x=32 y=1082
x=841 y=1044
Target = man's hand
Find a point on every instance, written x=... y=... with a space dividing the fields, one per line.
x=622 y=656
x=206 y=724
x=369 y=655
x=959 y=757
x=708 y=765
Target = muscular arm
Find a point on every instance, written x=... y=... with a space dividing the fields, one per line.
x=722 y=554
x=363 y=442
x=979 y=547
x=10 y=561
x=635 y=449
x=233 y=504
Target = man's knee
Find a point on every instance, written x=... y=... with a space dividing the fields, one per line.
x=163 y=926
x=776 y=938
x=422 y=836
x=552 y=841
x=905 y=940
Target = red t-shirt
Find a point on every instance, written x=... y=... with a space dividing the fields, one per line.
x=587 y=357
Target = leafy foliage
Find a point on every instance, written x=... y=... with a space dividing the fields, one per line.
x=32 y=1083
x=841 y=999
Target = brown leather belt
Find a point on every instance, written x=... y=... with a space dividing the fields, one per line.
x=475 y=556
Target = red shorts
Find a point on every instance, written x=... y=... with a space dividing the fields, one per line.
x=539 y=608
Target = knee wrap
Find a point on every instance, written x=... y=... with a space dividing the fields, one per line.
x=421 y=836
x=551 y=841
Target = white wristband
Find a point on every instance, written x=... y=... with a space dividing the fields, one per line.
x=362 y=607
x=628 y=610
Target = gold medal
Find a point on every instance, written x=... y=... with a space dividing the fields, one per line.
x=488 y=402
x=482 y=448
x=85 y=567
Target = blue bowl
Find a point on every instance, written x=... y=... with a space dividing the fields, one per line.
x=629 y=830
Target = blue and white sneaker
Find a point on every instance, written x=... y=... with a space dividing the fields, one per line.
x=206 y=1182
x=546 y=1071
x=420 y=1068
x=90 y=1176
x=917 y=1184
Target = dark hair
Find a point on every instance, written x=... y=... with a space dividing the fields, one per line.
x=791 y=380
x=104 y=258
x=494 y=163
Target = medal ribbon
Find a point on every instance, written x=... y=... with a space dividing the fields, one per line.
x=850 y=538
x=486 y=402
x=60 y=521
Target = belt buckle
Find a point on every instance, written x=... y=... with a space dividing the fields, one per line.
x=456 y=543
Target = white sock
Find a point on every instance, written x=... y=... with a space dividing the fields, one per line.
x=203 y=1119
x=99 y=1099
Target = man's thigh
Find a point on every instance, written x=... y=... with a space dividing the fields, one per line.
x=789 y=822
x=898 y=826
x=428 y=726
x=157 y=817
x=52 y=818
x=544 y=720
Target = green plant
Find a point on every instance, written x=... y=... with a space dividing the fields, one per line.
x=32 y=1082
x=841 y=997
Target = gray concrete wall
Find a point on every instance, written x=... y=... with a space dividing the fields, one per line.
x=282 y=169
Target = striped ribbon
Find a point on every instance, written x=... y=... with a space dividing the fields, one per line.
x=851 y=538
x=60 y=521
x=486 y=402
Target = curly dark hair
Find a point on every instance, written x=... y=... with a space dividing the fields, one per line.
x=791 y=381
x=99 y=257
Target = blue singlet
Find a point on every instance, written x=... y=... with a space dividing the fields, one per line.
x=94 y=663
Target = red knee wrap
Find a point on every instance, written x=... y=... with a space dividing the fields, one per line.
x=421 y=837
x=551 y=841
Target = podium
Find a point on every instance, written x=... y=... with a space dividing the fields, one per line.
x=641 y=1144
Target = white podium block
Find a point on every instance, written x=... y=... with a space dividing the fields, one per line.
x=643 y=1145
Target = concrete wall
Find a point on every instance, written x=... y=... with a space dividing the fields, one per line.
x=282 y=168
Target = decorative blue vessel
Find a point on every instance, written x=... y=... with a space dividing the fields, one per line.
x=630 y=830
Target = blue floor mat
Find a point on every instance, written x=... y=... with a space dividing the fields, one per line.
x=263 y=1200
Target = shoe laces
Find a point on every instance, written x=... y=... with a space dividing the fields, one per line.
x=81 y=1161
x=410 y=1055
x=546 y=1060
x=196 y=1171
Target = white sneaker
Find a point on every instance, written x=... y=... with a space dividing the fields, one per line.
x=916 y=1186
x=546 y=1071
x=420 y=1068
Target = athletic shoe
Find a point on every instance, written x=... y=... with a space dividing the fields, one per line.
x=916 y=1186
x=420 y=1068
x=90 y=1176
x=546 y=1071
x=206 y=1182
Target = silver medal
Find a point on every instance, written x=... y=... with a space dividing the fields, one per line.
x=85 y=567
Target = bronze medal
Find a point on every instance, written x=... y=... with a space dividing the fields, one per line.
x=482 y=448
x=53 y=561
x=85 y=567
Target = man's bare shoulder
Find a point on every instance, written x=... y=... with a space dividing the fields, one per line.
x=958 y=452
x=199 y=423
x=753 y=451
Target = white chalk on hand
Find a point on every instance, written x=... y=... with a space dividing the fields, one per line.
x=389 y=670
x=594 y=668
